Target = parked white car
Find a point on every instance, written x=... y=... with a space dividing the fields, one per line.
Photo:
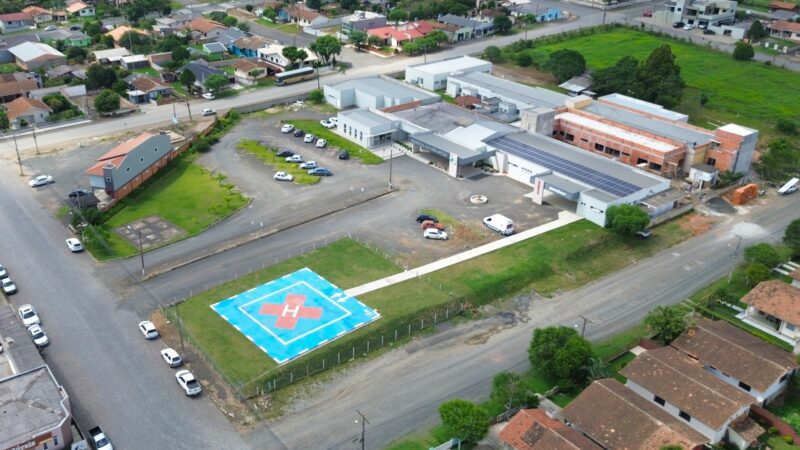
x=326 y=123
x=28 y=315
x=41 y=180
x=148 y=329
x=38 y=336
x=433 y=233
x=209 y=111
x=308 y=138
x=288 y=128
x=321 y=143
x=333 y=121
x=209 y=96
x=188 y=382
x=3 y=272
x=8 y=286
x=294 y=159
x=284 y=176
x=171 y=357
x=74 y=245
x=688 y=26
x=309 y=165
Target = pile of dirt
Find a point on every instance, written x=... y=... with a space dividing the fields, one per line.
x=697 y=224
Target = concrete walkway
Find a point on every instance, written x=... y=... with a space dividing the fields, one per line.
x=564 y=218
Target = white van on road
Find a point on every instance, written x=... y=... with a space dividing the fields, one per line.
x=500 y=224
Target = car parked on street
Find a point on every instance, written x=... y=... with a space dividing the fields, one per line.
x=284 y=154
x=423 y=217
x=209 y=96
x=688 y=26
x=74 y=245
x=209 y=111
x=431 y=224
x=283 y=176
x=648 y=13
x=75 y=28
x=309 y=138
x=309 y=165
x=28 y=315
x=433 y=233
x=294 y=159
x=320 y=172
x=148 y=329
x=326 y=123
x=78 y=193
x=677 y=25
x=344 y=155
x=38 y=336
x=287 y=128
x=50 y=28
x=3 y=272
x=299 y=133
x=188 y=382
x=171 y=357
x=321 y=143
x=40 y=180
x=8 y=286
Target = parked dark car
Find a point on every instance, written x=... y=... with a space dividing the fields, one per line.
x=344 y=154
x=285 y=153
x=299 y=133
x=320 y=172
x=75 y=28
x=78 y=193
x=707 y=31
x=678 y=25
x=423 y=217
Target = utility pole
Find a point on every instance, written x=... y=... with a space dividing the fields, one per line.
x=735 y=257
x=318 y=87
x=604 y=11
x=585 y=319
x=19 y=160
x=364 y=423
x=391 y=157
x=35 y=142
x=180 y=324
x=141 y=252
x=188 y=108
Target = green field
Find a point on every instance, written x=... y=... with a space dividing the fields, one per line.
x=267 y=155
x=744 y=92
x=288 y=28
x=334 y=140
x=184 y=193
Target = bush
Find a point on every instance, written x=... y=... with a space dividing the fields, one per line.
x=464 y=419
x=561 y=354
x=756 y=273
x=523 y=59
x=316 y=96
x=743 y=51
x=791 y=237
x=202 y=145
x=788 y=439
x=762 y=254
x=666 y=322
x=626 y=220
x=786 y=126
x=509 y=390
x=727 y=178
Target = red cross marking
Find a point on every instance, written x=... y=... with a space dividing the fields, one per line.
x=290 y=311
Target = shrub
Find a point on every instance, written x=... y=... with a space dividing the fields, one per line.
x=743 y=51
x=762 y=254
x=786 y=126
x=756 y=273
x=316 y=96
x=788 y=439
x=464 y=419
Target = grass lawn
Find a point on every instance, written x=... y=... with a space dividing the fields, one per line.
x=147 y=71
x=745 y=92
x=789 y=410
x=777 y=443
x=185 y=194
x=9 y=68
x=344 y=263
x=267 y=155
x=288 y=28
x=334 y=140
x=178 y=88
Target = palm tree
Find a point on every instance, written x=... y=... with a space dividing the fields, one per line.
x=596 y=369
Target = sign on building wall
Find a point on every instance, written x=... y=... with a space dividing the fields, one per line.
x=538 y=191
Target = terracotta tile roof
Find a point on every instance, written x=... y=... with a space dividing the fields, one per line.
x=398 y=35
x=773 y=5
x=245 y=65
x=618 y=418
x=97 y=168
x=422 y=26
x=77 y=6
x=16 y=87
x=785 y=25
x=748 y=429
x=531 y=429
x=776 y=298
x=15 y=16
x=251 y=42
x=146 y=83
x=204 y=25
x=303 y=13
x=442 y=26
x=23 y=105
x=736 y=352
x=35 y=10
x=684 y=383
x=160 y=58
x=120 y=31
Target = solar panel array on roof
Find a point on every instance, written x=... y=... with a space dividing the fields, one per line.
x=571 y=169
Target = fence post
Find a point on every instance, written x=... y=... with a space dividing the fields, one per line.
x=354 y=352
x=339 y=358
x=323 y=363
x=367 y=345
x=421 y=324
x=395 y=334
x=381 y=340
x=409 y=329
x=306 y=369
x=447 y=313
x=434 y=318
x=291 y=376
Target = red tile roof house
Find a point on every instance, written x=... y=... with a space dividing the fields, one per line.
x=785 y=30
x=303 y=16
x=532 y=429
x=15 y=21
x=394 y=36
x=774 y=307
x=129 y=164
x=247 y=71
x=207 y=30
x=39 y=14
x=753 y=365
x=31 y=110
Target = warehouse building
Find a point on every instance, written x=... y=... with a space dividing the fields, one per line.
x=433 y=76
x=375 y=92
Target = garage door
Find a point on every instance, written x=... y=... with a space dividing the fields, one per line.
x=519 y=173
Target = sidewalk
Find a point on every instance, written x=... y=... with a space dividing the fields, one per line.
x=564 y=218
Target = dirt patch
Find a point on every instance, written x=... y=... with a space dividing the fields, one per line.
x=697 y=224
x=525 y=75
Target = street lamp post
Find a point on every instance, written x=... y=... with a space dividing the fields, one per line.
x=391 y=157
x=364 y=423
x=585 y=319
x=735 y=256
x=35 y=142
x=16 y=147
x=180 y=324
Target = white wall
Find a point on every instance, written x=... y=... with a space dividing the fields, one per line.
x=776 y=387
x=592 y=209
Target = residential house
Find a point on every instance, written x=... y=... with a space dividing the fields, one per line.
x=133 y=62
x=467 y=28
x=206 y=30
x=143 y=88
x=774 y=307
x=202 y=71
x=165 y=26
x=71 y=38
x=39 y=14
x=784 y=29
x=617 y=418
x=159 y=60
x=17 y=84
x=702 y=12
x=64 y=72
x=119 y=32
x=396 y=35
x=272 y=54
x=15 y=21
x=259 y=7
x=301 y=15
x=248 y=46
x=230 y=36
x=753 y=365
x=533 y=429
x=681 y=386
x=80 y=9
x=249 y=71
x=60 y=15
x=129 y=164
x=362 y=21
x=7 y=42
x=541 y=14
x=31 y=110
x=111 y=55
x=214 y=49
x=449 y=30
x=32 y=55
x=774 y=5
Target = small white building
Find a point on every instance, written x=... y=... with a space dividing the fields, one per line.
x=368 y=128
x=433 y=76
x=375 y=92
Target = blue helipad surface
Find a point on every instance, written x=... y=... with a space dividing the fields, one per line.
x=294 y=314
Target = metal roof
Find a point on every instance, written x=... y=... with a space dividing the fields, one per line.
x=214 y=47
x=28 y=51
x=464 y=22
x=436 y=141
x=516 y=92
x=366 y=117
x=381 y=87
x=642 y=122
x=451 y=65
x=647 y=107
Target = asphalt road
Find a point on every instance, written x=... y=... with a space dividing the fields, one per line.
x=415 y=379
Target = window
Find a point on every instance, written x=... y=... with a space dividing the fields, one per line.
x=108 y=179
x=789 y=327
x=641 y=161
x=599 y=147
x=555 y=132
x=744 y=386
x=684 y=416
x=711 y=161
x=584 y=140
x=655 y=166
x=659 y=400
x=560 y=133
x=569 y=137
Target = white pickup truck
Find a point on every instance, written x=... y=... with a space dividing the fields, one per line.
x=99 y=440
x=789 y=187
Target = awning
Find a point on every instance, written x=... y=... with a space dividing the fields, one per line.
x=444 y=147
x=562 y=187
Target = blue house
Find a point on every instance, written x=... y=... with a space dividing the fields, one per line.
x=247 y=47
x=549 y=15
x=541 y=14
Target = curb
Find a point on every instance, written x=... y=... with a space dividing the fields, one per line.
x=238 y=242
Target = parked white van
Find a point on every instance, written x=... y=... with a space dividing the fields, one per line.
x=499 y=223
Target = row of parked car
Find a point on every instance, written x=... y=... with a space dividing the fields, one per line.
x=5 y=280
x=31 y=321
x=431 y=228
x=186 y=380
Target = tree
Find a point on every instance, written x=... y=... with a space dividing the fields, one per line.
x=626 y=220
x=180 y=54
x=218 y=16
x=502 y=24
x=791 y=237
x=98 y=77
x=187 y=79
x=523 y=59
x=248 y=7
x=269 y=13
x=106 y=101
x=4 y=122
x=756 y=31
x=464 y=419
x=56 y=102
x=374 y=41
x=93 y=28
x=229 y=21
x=314 y=4
x=316 y=96
x=666 y=322
x=560 y=353
x=763 y=254
x=596 y=369
x=743 y=51
x=565 y=64
x=294 y=55
x=756 y=273
x=215 y=83
x=76 y=54
x=509 y=390
x=780 y=162
x=349 y=5
x=243 y=26
x=659 y=78
x=398 y=15
x=326 y=47
x=492 y=53
x=620 y=77
x=357 y=38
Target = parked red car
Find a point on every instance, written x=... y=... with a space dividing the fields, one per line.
x=648 y=14
x=431 y=224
